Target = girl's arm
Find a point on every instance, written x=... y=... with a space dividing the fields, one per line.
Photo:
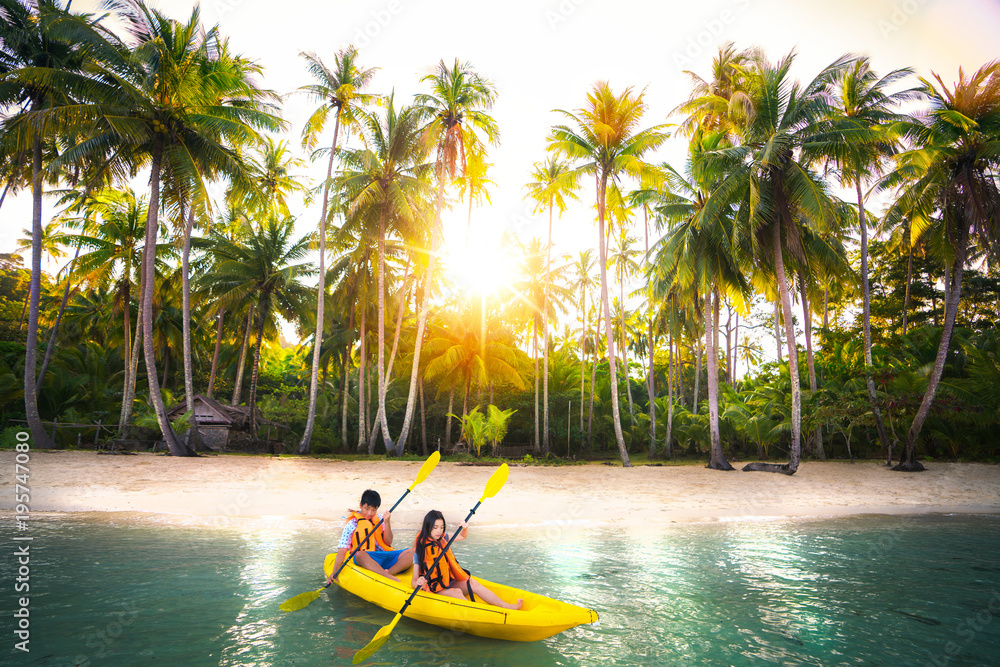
x=464 y=527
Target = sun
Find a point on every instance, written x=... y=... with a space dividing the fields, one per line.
x=481 y=266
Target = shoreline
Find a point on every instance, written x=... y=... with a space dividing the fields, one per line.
x=592 y=496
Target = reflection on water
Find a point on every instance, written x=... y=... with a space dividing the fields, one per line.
x=885 y=591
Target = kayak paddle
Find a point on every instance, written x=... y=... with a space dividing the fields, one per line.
x=302 y=600
x=493 y=486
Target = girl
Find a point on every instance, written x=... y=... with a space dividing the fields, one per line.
x=447 y=577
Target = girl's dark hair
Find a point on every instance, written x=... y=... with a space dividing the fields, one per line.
x=424 y=538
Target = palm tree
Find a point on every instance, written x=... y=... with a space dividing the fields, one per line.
x=177 y=100
x=456 y=114
x=623 y=259
x=262 y=264
x=774 y=189
x=337 y=90
x=386 y=181
x=606 y=139
x=582 y=283
x=952 y=169
x=859 y=142
x=553 y=183
x=38 y=66
x=698 y=257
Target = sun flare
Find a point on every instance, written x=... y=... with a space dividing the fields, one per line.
x=483 y=265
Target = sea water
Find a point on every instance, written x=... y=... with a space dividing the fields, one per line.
x=873 y=590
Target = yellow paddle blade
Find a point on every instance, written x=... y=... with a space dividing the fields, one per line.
x=496 y=482
x=426 y=468
x=381 y=637
x=300 y=601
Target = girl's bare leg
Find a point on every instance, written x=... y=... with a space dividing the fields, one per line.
x=486 y=595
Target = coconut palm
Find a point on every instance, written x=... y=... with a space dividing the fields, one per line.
x=338 y=90
x=859 y=140
x=774 y=188
x=178 y=100
x=952 y=169
x=582 y=282
x=457 y=123
x=553 y=182
x=262 y=264
x=38 y=67
x=605 y=138
x=386 y=182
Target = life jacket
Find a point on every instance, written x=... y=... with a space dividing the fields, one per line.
x=445 y=571
x=365 y=534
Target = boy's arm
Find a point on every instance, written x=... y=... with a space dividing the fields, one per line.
x=386 y=528
x=341 y=554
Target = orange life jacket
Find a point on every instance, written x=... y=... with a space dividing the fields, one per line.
x=365 y=534
x=441 y=574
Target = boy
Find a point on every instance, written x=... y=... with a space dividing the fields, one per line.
x=375 y=545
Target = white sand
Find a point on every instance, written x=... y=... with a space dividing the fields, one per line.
x=241 y=486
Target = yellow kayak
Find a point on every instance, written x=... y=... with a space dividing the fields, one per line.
x=538 y=618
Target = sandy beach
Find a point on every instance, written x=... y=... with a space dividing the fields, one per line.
x=591 y=495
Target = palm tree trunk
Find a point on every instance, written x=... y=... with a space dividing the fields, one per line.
x=718 y=460
x=255 y=369
x=651 y=383
x=583 y=359
x=593 y=382
x=424 y=311
x=909 y=277
x=650 y=380
x=909 y=463
x=736 y=347
x=40 y=439
x=793 y=368
x=55 y=327
x=193 y=436
x=817 y=445
x=867 y=321
x=380 y=417
x=390 y=446
x=132 y=371
x=628 y=384
x=177 y=448
x=697 y=372
x=423 y=419
x=304 y=444
x=362 y=384
x=451 y=411
x=215 y=355
x=534 y=355
x=777 y=326
x=166 y=367
x=826 y=307
x=670 y=389
x=609 y=332
x=24 y=308
x=545 y=336
x=241 y=366
x=346 y=391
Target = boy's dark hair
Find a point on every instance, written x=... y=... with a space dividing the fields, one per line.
x=371 y=498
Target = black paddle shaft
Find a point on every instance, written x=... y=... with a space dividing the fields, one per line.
x=438 y=559
x=380 y=522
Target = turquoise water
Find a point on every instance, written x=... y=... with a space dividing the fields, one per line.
x=889 y=591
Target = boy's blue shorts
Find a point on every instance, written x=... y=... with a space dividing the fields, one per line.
x=385 y=559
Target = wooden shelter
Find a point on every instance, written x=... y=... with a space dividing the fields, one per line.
x=223 y=427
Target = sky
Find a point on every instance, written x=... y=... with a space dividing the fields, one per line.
x=547 y=55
